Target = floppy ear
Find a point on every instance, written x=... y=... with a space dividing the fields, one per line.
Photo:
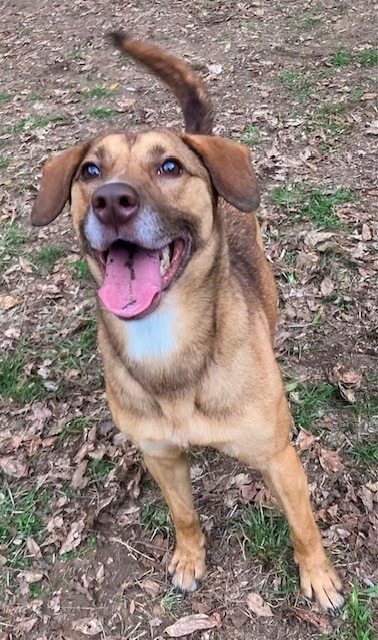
x=55 y=186
x=229 y=165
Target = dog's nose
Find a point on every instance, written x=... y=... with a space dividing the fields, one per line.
x=115 y=203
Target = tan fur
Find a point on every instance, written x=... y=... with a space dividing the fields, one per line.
x=219 y=385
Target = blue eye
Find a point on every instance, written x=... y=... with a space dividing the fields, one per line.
x=90 y=170
x=170 y=167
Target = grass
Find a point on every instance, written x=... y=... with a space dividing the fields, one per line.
x=357 y=616
x=250 y=135
x=74 y=427
x=368 y=58
x=365 y=58
x=47 y=257
x=74 y=351
x=266 y=534
x=330 y=118
x=171 y=601
x=16 y=378
x=340 y=58
x=97 y=470
x=299 y=85
x=154 y=516
x=309 y=402
x=4 y=161
x=318 y=205
x=80 y=270
x=4 y=97
x=32 y=123
x=21 y=514
x=102 y=113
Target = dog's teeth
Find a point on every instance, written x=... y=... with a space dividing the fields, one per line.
x=164 y=261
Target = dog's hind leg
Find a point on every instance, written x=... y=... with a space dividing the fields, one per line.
x=169 y=466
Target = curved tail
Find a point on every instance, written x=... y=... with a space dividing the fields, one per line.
x=188 y=88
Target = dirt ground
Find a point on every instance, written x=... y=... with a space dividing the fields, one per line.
x=85 y=538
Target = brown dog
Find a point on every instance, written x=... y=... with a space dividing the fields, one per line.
x=187 y=310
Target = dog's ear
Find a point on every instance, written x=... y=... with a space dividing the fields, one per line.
x=57 y=175
x=229 y=165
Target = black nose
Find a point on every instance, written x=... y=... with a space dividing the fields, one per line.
x=115 y=203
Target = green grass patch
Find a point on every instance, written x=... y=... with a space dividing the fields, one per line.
x=86 y=547
x=309 y=402
x=34 y=97
x=102 y=113
x=21 y=513
x=80 y=269
x=250 y=135
x=4 y=97
x=300 y=85
x=266 y=534
x=357 y=616
x=155 y=517
x=73 y=428
x=171 y=601
x=32 y=123
x=365 y=452
x=368 y=58
x=340 y=58
x=4 y=161
x=17 y=381
x=308 y=203
x=47 y=257
x=97 y=470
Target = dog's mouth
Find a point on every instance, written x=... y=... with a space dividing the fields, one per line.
x=135 y=277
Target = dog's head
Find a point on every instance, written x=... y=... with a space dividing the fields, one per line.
x=144 y=207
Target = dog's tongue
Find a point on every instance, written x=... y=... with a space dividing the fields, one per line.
x=132 y=279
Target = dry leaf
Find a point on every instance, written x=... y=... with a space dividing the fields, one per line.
x=79 y=481
x=14 y=466
x=313 y=618
x=33 y=548
x=327 y=287
x=74 y=538
x=215 y=68
x=256 y=604
x=8 y=302
x=366 y=232
x=30 y=577
x=348 y=377
x=195 y=622
x=25 y=626
x=151 y=587
x=330 y=461
x=88 y=626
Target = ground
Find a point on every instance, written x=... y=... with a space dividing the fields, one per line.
x=85 y=537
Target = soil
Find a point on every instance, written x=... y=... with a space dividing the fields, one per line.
x=275 y=80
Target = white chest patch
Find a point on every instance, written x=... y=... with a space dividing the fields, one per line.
x=153 y=336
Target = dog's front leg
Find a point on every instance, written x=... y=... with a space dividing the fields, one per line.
x=169 y=466
x=285 y=476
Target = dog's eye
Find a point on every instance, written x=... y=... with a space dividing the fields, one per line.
x=90 y=171
x=170 y=167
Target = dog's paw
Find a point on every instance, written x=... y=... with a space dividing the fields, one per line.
x=320 y=582
x=187 y=568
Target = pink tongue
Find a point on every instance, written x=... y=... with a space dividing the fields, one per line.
x=132 y=279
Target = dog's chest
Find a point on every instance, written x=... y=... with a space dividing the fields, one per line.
x=152 y=337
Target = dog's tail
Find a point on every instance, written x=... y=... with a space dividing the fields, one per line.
x=188 y=88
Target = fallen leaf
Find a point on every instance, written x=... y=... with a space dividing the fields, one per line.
x=88 y=626
x=195 y=622
x=151 y=587
x=74 y=538
x=256 y=604
x=369 y=96
x=25 y=626
x=313 y=618
x=366 y=232
x=347 y=393
x=14 y=466
x=8 y=302
x=372 y=129
x=330 y=461
x=33 y=548
x=348 y=377
x=327 y=287
x=30 y=577
x=215 y=68
x=79 y=481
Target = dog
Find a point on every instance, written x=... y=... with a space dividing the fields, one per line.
x=187 y=310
